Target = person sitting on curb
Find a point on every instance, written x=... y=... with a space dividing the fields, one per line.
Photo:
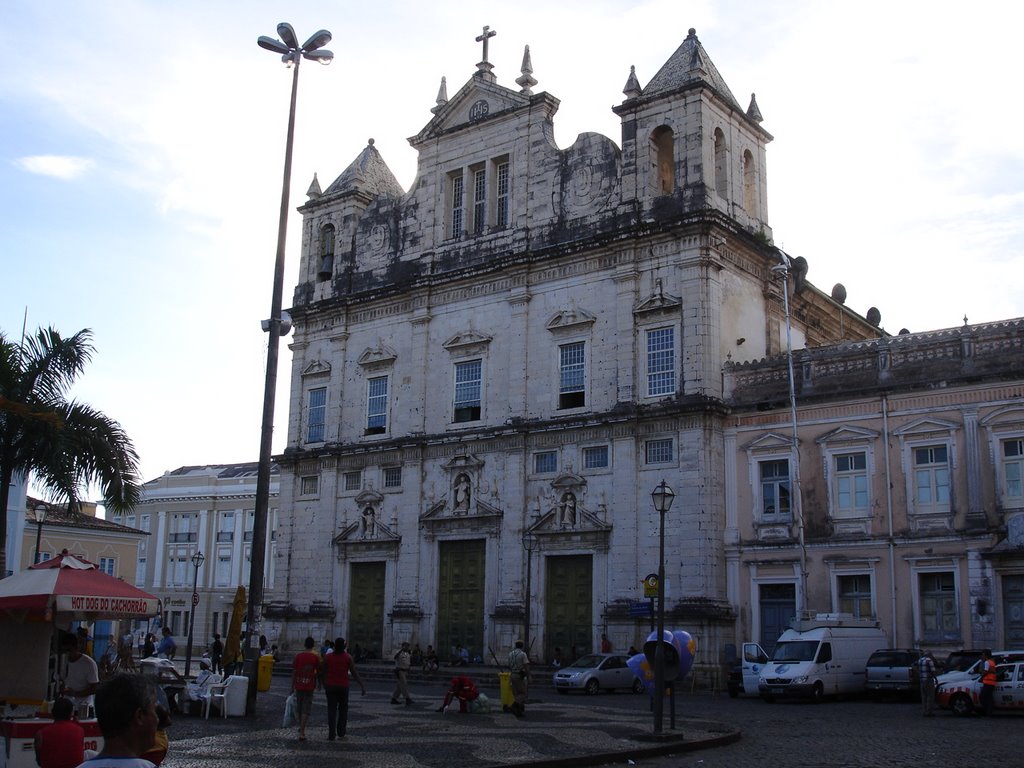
x=462 y=688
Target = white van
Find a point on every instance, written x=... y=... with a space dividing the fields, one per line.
x=819 y=657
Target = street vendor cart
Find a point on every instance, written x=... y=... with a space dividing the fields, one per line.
x=37 y=605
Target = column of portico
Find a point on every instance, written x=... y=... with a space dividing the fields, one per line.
x=518 y=353
x=972 y=448
x=158 y=552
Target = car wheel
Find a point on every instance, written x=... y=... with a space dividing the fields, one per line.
x=818 y=693
x=734 y=692
x=961 y=704
x=638 y=685
x=592 y=686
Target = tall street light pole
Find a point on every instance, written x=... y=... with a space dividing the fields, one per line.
x=292 y=55
x=197 y=561
x=40 y=514
x=663 y=497
x=795 y=496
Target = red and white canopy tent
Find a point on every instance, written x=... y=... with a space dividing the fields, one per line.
x=49 y=595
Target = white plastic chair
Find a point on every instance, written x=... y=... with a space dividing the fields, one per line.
x=217 y=694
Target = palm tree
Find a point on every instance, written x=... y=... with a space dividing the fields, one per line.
x=64 y=444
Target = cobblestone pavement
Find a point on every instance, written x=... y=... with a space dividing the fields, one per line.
x=605 y=729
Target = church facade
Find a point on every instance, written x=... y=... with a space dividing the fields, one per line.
x=493 y=370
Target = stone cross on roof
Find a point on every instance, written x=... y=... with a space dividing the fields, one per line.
x=487 y=34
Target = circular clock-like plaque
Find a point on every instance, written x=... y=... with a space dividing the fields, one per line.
x=479 y=110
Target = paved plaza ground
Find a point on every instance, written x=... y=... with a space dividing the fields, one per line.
x=717 y=732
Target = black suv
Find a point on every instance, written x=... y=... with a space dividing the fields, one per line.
x=892 y=670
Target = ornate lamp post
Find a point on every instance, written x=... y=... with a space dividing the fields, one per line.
x=292 y=55
x=530 y=544
x=40 y=514
x=197 y=561
x=663 y=497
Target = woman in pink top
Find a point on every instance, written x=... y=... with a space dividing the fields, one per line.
x=337 y=669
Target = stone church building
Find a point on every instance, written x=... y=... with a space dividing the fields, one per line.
x=493 y=370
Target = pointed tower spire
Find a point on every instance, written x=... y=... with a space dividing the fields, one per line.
x=526 y=81
x=442 y=96
x=632 y=89
x=752 y=111
x=314 y=188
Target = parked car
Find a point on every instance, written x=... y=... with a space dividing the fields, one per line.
x=962 y=660
x=892 y=670
x=963 y=696
x=597 y=672
x=967 y=668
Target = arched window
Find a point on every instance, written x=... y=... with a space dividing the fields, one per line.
x=721 y=164
x=749 y=183
x=326 y=271
x=663 y=149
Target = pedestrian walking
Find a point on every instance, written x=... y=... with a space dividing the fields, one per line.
x=926 y=681
x=305 y=672
x=519 y=676
x=988 y=682
x=217 y=654
x=337 y=670
x=402 y=661
x=606 y=644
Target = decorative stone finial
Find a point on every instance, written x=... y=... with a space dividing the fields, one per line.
x=752 y=111
x=370 y=142
x=632 y=88
x=314 y=188
x=442 y=96
x=526 y=81
x=484 y=67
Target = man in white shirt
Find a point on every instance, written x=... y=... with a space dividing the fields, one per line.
x=80 y=677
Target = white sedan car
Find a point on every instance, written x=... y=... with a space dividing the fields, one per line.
x=963 y=696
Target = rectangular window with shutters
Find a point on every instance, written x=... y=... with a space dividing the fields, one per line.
x=572 y=375
x=456 y=213
x=468 y=380
x=479 y=200
x=661 y=362
x=310 y=485
x=774 y=489
x=108 y=565
x=854 y=593
x=501 y=212
x=850 y=485
x=931 y=478
x=392 y=477
x=316 y=415
x=658 y=451
x=377 y=405
x=545 y=462
x=353 y=481
x=595 y=457
x=1013 y=470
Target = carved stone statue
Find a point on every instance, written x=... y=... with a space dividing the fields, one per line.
x=368 y=523
x=462 y=493
x=567 y=510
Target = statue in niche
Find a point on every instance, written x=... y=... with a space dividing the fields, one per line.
x=368 y=523
x=567 y=509
x=462 y=494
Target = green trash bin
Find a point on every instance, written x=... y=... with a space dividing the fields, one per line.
x=505 y=686
x=264 y=672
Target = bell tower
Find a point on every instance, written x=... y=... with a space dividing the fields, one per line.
x=688 y=145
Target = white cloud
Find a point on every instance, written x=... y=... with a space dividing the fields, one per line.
x=58 y=166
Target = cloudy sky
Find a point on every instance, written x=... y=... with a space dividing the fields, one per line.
x=143 y=142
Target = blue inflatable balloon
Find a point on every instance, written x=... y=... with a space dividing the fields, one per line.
x=644 y=672
x=686 y=647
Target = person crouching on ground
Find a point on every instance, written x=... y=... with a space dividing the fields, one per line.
x=305 y=672
x=462 y=688
x=126 y=708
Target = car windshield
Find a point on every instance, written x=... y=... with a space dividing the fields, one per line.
x=795 y=650
x=587 y=662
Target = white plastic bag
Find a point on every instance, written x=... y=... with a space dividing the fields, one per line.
x=290 y=717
